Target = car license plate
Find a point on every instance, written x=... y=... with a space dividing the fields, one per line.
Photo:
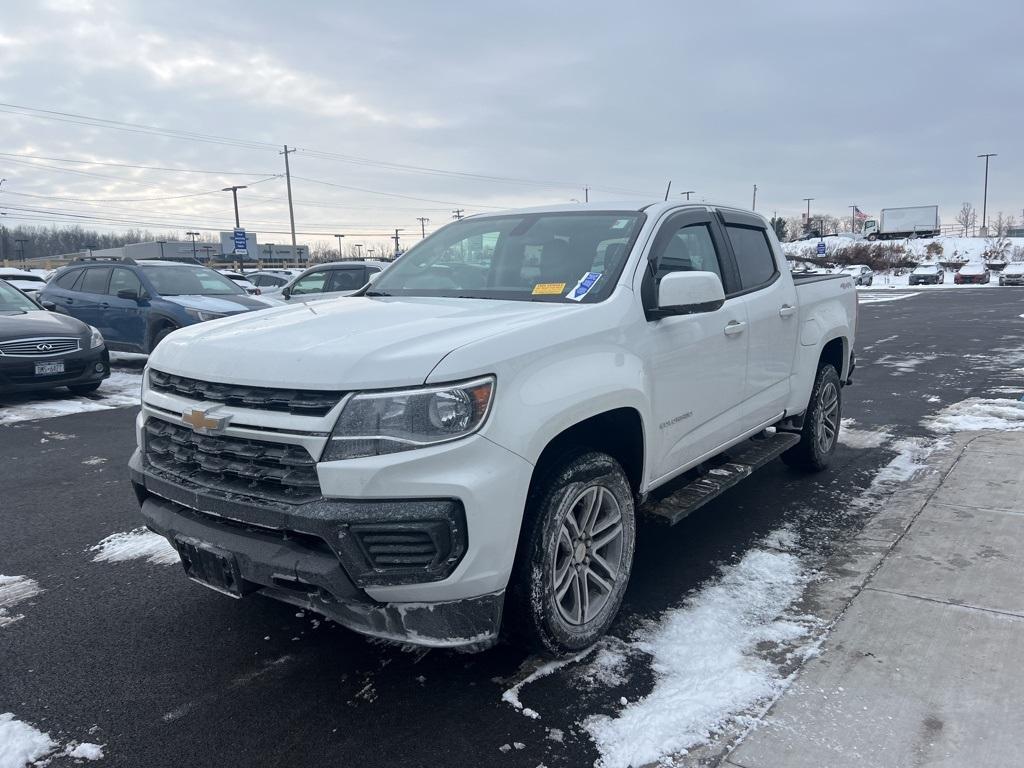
x=48 y=369
x=212 y=567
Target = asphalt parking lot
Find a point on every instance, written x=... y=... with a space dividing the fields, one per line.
x=163 y=672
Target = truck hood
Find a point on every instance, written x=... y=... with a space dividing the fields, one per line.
x=223 y=304
x=344 y=344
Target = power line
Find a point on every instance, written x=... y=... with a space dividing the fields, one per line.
x=137 y=167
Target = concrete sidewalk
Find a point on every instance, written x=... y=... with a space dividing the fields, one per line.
x=926 y=665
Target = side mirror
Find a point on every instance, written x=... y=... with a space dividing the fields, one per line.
x=689 y=293
x=128 y=295
x=49 y=306
x=372 y=278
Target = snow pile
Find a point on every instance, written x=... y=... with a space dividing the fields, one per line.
x=978 y=413
x=911 y=457
x=121 y=390
x=852 y=437
x=84 y=751
x=13 y=590
x=133 y=545
x=608 y=667
x=706 y=662
x=533 y=670
x=21 y=744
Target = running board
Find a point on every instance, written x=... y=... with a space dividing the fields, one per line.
x=718 y=475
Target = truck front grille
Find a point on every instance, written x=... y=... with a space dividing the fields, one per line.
x=254 y=468
x=302 y=402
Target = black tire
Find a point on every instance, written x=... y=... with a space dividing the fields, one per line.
x=84 y=389
x=549 y=555
x=818 y=441
x=162 y=334
x=872 y=237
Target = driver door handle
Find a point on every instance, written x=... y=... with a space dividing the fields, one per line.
x=734 y=327
x=787 y=310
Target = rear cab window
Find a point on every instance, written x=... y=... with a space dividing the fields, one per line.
x=752 y=251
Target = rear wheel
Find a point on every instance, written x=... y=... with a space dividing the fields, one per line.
x=575 y=555
x=820 y=432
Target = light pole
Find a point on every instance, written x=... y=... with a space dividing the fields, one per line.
x=270 y=253
x=339 y=245
x=20 y=243
x=984 y=199
x=234 y=195
x=161 y=247
x=753 y=203
x=90 y=248
x=193 y=235
x=807 y=221
x=688 y=193
x=208 y=249
x=359 y=249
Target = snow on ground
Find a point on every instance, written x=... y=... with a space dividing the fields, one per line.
x=970 y=248
x=871 y=298
x=706 y=662
x=978 y=413
x=14 y=590
x=21 y=744
x=852 y=437
x=121 y=390
x=134 y=545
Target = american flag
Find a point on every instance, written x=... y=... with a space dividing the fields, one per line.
x=859 y=214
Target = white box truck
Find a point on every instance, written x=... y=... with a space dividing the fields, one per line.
x=913 y=221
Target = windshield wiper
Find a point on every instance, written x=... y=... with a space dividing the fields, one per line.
x=376 y=293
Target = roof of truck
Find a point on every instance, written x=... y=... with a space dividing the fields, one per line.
x=649 y=206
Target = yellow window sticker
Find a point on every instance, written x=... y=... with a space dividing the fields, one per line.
x=548 y=289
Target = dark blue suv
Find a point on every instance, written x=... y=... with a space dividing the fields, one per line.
x=135 y=304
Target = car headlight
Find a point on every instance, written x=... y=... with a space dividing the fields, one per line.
x=376 y=423
x=202 y=315
x=95 y=338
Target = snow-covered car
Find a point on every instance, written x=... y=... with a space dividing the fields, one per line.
x=271 y=281
x=463 y=444
x=1013 y=274
x=974 y=272
x=29 y=282
x=862 y=274
x=241 y=281
x=338 y=278
x=927 y=274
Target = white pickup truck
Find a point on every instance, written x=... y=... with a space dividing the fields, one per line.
x=462 y=448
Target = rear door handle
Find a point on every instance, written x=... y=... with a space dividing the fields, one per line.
x=104 y=304
x=734 y=327
x=787 y=311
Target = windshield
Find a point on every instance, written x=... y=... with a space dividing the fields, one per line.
x=556 y=257
x=189 y=280
x=26 y=278
x=927 y=270
x=12 y=300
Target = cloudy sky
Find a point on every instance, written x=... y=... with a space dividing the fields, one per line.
x=409 y=109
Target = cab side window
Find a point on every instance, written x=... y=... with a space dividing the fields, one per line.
x=753 y=256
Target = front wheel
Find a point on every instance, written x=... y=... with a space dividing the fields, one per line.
x=575 y=555
x=820 y=432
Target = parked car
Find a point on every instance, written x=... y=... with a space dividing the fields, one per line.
x=1013 y=274
x=339 y=278
x=23 y=280
x=861 y=273
x=137 y=304
x=971 y=273
x=271 y=281
x=454 y=449
x=44 y=350
x=928 y=274
x=242 y=281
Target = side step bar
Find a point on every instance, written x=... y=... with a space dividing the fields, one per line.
x=714 y=477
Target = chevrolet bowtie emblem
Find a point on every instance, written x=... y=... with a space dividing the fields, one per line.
x=203 y=423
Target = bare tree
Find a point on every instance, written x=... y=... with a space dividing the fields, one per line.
x=967 y=217
x=1001 y=225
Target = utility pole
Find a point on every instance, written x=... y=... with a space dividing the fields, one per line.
x=395 y=238
x=193 y=235
x=288 y=179
x=20 y=244
x=339 y=245
x=984 y=200
x=586 y=194
x=423 y=226
x=668 y=189
x=853 y=219
x=234 y=195
x=457 y=213
x=161 y=247
x=753 y=205
x=688 y=193
x=807 y=221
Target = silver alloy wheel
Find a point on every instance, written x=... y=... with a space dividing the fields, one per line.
x=588 y=556
x=827 y=426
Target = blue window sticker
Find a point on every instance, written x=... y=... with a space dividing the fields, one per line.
x=582 y=288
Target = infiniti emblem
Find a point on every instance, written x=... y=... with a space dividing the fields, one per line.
x=44 y=347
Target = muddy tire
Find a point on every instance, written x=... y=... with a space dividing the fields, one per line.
x=575 y=556
x=820 y=432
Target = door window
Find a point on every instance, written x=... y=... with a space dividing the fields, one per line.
x=312 y=283
x=690 y=249
x=753 y=256
x=348 y=279
x=95 y=280
x=124 y=280
x=68 y=279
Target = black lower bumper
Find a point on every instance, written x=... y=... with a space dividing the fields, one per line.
x=293 y=563
x=17 y=374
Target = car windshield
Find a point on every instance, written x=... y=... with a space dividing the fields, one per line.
x=925 y=270
x=189 y=280
x=23 y=278
x=557 y=257
x=13 y=301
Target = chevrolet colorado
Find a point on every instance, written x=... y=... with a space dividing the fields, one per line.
x=462 y=448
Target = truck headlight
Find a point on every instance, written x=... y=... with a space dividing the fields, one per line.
x=95 y=337
x=202 y=315
x=376 y=423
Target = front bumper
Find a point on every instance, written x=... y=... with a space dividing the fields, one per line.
x=17 y=374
